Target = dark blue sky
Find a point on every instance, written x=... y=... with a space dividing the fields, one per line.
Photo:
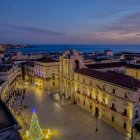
x=70 y=21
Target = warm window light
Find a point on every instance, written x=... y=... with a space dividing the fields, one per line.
x=27 y=133
x=49 y=132
x=47 y=136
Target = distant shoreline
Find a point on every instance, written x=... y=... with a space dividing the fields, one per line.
x=82 y=48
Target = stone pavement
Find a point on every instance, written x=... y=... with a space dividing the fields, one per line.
x=69 y=122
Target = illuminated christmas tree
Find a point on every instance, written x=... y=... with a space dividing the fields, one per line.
x=35 y=132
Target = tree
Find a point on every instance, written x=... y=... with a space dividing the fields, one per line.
x=35 y=132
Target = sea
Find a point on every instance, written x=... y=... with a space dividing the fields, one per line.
x=81 y=48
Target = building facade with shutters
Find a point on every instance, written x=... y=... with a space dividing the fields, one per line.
x=114 y=98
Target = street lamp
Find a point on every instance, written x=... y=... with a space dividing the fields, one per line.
x=96 y=121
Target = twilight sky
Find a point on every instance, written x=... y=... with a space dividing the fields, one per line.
x=70 y=21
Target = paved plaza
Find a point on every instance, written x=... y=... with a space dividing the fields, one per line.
x=69 y=122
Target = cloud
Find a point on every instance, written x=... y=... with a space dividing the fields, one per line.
x=125 y=29
x=25 y=34
x=115 y=12
x=128 y=24
x=29 y=30
x=138 y=34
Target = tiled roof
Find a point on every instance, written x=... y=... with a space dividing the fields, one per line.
x=118 y=79
x=106 y=65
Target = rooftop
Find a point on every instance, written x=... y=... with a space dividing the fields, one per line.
x=106 y=65
x=5 y=67
x=46 y=60
x=121 y=80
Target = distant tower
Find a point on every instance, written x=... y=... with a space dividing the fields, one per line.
x=35 y=132
x=69 y=63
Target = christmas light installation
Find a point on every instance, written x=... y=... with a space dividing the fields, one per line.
x=35 y=132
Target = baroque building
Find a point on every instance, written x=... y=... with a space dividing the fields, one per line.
x=112 y=97
x=108 y=91
x=10 y=75
x=43 y=73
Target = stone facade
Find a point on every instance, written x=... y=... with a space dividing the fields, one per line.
x=44 y=75
x=12 y=77
x=117 y=105
x=115 y=101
